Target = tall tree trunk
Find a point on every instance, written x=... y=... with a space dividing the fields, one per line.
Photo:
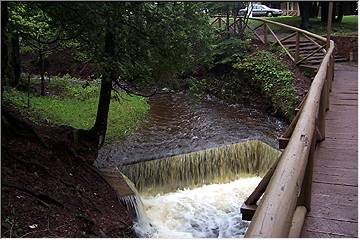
x=339 y=12
x=100 y=125
x=314 y=9
x=4 y=45
x=15 y=60
x=324 y=11
x=305 y=9
x=42 y=71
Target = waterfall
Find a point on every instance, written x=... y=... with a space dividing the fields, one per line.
x=214 y=165
x=201 y=192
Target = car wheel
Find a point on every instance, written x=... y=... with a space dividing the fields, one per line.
x=269 y=14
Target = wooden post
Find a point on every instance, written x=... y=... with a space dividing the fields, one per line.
x=261 y=187
x=265 y=33
x=329 y=25
x=287 y=9
x=322 y=111
x=297 y=222
x=327 y=85
x=228 y=21
x=297 y=51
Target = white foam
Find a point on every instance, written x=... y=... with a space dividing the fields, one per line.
x=209 y=211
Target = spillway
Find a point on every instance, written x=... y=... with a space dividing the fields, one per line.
x=196 y=194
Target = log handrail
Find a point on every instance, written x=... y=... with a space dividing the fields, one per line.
x=279 y=42
x=279 y=213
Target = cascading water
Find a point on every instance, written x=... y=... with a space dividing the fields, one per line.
x=188 y=207
x=210 y=211
x=214 y=165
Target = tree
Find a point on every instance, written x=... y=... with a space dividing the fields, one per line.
x=10 y=50
x=38 y=32
x=338 y=11
x=4 y=44
x=305 y=10
x=134 y=42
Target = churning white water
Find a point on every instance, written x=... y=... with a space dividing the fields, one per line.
x=210 y=211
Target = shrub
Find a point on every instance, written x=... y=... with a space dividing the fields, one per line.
x=274 y=80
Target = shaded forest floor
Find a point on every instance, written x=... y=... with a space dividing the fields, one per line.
x=48 y=190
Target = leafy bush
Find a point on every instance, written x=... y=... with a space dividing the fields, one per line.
x=273 y=78
x=229 y=50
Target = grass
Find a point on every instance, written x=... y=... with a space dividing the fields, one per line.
x=348 y=26
x=77 y=107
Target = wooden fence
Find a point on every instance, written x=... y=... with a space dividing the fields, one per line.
x=281 y=200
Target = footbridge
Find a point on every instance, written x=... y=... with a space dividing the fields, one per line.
x=311 y=190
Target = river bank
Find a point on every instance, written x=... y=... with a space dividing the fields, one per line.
x=49 y=191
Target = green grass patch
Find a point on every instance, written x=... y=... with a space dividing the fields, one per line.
x=348 y=26
x=77 y=107
x=274 y=79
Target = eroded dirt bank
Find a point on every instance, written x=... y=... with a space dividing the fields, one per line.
x=47 y=190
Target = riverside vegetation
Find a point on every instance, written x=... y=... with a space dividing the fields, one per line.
x=239 y=70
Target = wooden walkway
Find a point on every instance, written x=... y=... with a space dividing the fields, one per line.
x=334 y=201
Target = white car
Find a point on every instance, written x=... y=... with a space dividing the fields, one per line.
x=261 y=11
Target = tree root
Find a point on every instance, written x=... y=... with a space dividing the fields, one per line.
x=20 y=127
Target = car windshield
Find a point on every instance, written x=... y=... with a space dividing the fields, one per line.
x=264 y=7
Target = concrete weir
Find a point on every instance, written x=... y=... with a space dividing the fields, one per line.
x=214 y=165
x=114 y=177
x=125 y=190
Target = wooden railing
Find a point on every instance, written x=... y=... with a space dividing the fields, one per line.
x=284 y=194
x=234 y=24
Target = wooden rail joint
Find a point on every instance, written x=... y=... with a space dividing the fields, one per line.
x=283 y=142
x=247 y=211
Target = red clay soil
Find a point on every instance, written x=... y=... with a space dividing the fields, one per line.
x=49 y=191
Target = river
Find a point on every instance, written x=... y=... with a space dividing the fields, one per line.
x=180 y=123
x=203 y=189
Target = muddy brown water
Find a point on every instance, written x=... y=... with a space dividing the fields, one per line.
x=180 y=123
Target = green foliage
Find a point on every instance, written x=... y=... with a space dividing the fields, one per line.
x=274 y=79
x=153 y=40
x=34 y=27
x=79 y=106
x=222 y=8
x=229 y=50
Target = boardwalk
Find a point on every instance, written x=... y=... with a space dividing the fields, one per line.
x=334 y=204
